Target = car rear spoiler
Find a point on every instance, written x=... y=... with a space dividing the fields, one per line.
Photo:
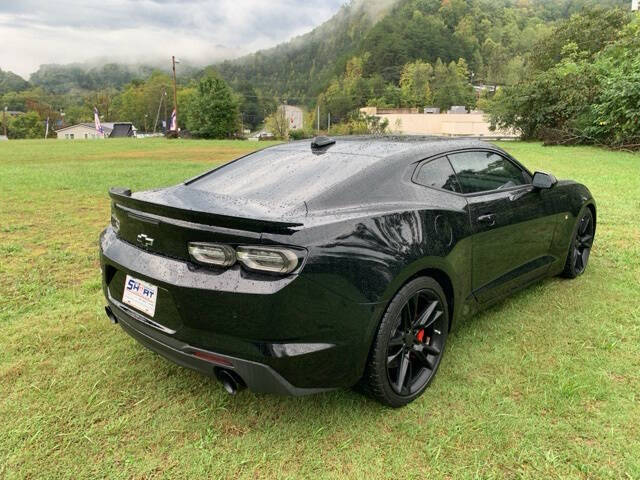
x=122 y=197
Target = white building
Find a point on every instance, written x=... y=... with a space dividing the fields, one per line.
x=474 y=124
x=82 y=131
x=295 y=117
x=85 y=131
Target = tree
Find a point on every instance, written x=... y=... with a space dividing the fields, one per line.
x=414 y=84
x=496 y=57
x=103 y=101
x=339 y=100
x=614 y=119
x=391 y=98
x=28 y=125
x=451 y=85
x=464 y=94
x=361 y=124
x=213 y=110
x=591 y=30
x=441 y=93
x=186 y=98
x=249 y=105
x=142 y=99
x=586 y=97
x=277 y=123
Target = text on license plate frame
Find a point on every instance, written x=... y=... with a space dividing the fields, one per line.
x=140 y=295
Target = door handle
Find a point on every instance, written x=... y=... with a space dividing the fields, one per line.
x=488 y=219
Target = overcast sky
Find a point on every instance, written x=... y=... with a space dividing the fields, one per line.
x=33 y=32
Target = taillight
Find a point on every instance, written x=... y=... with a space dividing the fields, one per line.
x=115 y=223
x=268 y=259
x=213 y=254
x=279 y=260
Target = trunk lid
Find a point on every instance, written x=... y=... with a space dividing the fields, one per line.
x=165 y=221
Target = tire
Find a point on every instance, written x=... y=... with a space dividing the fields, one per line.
x=580 y=247
x=409 y=344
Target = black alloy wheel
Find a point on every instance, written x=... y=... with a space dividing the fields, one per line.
x=581 y=245
x=410 y=343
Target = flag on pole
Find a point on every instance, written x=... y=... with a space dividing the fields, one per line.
x=173 y=124
x=96 y=119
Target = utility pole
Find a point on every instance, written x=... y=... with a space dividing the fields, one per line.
x=4 y=120
x=155 y=124
x=328 y=122
x=166 y=118
x=175 y=91
x=318 y=115
x=242 y=124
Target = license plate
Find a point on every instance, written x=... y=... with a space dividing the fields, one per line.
x=140 y=295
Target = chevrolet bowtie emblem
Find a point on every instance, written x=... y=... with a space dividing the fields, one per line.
x=144 y=241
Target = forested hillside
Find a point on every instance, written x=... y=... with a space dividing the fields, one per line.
x=79 y=78
x=302 y=67
x=490 y=35
x=385 y=53
x=581 y=86
x=10 y=82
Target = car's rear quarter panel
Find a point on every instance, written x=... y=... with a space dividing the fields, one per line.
x=367 y=259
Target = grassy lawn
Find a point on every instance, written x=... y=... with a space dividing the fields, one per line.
x=544 y=385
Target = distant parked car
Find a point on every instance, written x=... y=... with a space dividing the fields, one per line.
x=311 y=266
x=262 y=135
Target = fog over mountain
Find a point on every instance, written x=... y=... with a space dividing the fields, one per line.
x=148 y=31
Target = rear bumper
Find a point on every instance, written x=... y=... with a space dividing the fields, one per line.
x=285 y=335
x=258 y=377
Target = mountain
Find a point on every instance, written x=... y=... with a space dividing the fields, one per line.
x=387 y=53
x=302 y=67
x=98 y=75
x=383 y=34
x=492 y=36
x=10 y=82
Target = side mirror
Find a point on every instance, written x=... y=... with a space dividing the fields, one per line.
x=543 y=180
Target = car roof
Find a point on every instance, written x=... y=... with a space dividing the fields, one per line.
x=390 y=146
x=293 y=179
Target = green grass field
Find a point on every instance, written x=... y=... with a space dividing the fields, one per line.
x=544 y=385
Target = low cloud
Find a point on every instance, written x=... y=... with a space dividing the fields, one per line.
x=200 y=31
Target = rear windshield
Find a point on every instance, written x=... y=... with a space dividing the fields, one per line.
x=283 y=174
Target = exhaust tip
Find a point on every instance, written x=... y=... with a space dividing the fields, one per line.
x=110 y=315
x=230 y=387
x=230 y=381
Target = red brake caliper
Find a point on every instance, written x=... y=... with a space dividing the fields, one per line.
x=420 y=335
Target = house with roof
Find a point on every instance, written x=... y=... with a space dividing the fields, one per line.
x=85 y=131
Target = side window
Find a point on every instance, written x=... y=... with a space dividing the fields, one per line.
x=438 y=174
x=486 y=171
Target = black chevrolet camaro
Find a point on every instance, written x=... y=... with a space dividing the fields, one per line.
x=312 y=266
